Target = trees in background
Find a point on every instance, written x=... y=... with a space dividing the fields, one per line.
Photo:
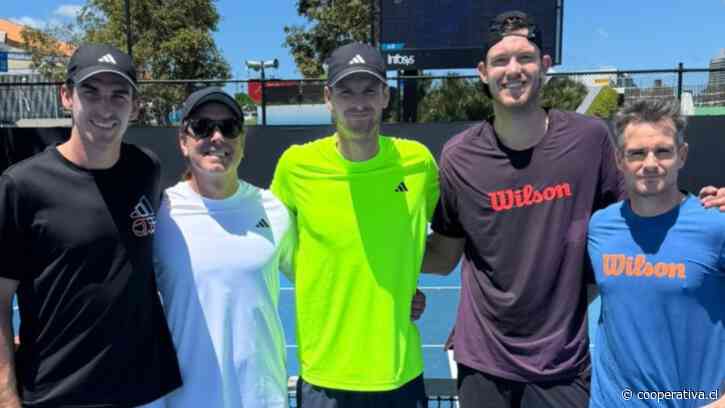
x=453 y=99
x=172 y=39
x=563 y=93
x=50 y=48
x=605 y=104
x=330 y=24
x=462 y=99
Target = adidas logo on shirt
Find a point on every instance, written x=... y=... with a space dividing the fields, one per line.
x=108 y=59
x=262 y=224
x=144 y=218
x=402 y=188
x=357 y=59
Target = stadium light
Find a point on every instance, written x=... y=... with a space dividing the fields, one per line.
x=260 y=65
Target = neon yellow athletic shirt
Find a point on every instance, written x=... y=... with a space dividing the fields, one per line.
x=362 y=229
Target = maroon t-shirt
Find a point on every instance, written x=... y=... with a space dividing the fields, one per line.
x=524 y=215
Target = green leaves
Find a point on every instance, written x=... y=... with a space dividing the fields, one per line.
x=563 y=93
x=605 y=104
x=171 y=39
x=51 y=48
x=453 y=99
x=330 y=24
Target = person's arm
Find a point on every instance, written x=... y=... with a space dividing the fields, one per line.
x=8 y=385
x=280 y=188
x=442 y=254
x=444 y=246
x=417 y=307
x=13 y=247
x=287 y=249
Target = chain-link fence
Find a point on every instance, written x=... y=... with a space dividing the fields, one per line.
x=25 y=97
x=27 y=101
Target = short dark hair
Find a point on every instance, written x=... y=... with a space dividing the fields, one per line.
x=651 y=110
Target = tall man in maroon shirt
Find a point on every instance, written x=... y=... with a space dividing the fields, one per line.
x=516 y=197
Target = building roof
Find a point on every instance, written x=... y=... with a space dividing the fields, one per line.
x=15 y=39
x=13 y=31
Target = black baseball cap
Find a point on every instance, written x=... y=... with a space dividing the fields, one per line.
x=503 y=24
x=355 y=58
x=92 y=59
x=210 y=94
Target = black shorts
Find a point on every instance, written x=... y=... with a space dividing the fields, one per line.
x=410 y=395
x=481 y=390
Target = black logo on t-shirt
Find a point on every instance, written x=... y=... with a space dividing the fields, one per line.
x=144 y=218
x=262 y=223
x=402 y=188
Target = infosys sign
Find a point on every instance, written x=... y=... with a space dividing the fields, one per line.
x=401 y=60
x=407 y=59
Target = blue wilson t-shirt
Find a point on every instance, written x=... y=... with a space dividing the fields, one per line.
x=662 y=326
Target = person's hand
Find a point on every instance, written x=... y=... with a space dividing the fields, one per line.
x=712 y=196
x=417 y=307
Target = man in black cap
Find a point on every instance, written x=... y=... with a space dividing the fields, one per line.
x=516 y=196
x=76 y=229
x=362 y=202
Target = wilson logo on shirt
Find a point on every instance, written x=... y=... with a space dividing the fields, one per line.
x=505 y=200
x=637 y=266
x=144 y=218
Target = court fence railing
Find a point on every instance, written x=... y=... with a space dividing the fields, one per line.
x=26 y=100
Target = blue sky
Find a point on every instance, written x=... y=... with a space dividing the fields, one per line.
x=626 y=34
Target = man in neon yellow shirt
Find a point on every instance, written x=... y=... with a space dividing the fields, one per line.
x=362 y=203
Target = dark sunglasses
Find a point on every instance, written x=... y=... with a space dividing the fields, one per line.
x=204 y=128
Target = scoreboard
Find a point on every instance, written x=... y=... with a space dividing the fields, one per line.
x=443 y=34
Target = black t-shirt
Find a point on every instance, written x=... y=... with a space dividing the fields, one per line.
x=524 y=216
x=79 y=242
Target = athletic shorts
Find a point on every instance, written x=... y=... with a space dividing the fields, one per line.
x=480 y=390
x=410 y=395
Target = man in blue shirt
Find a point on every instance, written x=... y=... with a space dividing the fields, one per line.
x=659 y=264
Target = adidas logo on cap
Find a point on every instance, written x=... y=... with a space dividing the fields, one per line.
x=357 y=59
x=108 y=59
